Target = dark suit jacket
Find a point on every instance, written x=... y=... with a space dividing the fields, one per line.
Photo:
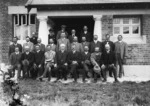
x=112 y=45
x=15 y=59
x=85 y=56
x=39 y=58
x=88 y=35
x=52 y=37
x=93 y=45
x=108 y=58
x=70 y=37
x=29 y=57
x=61 y=58
x=33 y=40
x=74 y=57
x=12 y=48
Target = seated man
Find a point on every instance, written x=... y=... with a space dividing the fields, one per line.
x=108 y=63
x=49 y=62
x=96 y=62
x=86 y=62
x=27 y=61
x=74 y=59
x=15 y=61
x=61 y=63
x=38 y=61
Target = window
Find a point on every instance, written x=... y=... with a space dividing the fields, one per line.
x=32 y=19
x=129 y=26
x=16 y=19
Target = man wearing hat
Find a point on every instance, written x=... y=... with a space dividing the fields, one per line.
x=33 y=39
x=108 y=62
x=61 y=63
x=63 y=30
x=51 y=35
x=96 y=62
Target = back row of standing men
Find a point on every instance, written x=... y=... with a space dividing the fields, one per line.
x=65 y=42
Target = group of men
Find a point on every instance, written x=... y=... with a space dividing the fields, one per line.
x=65 y=57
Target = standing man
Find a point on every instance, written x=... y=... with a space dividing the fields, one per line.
x=14 y=45
x=15 y=61
x=86 y=34
x=108 y=62
x=74 y=60
x=51 y=35
x=121 y=49
x=96 y=62
x=63 y=40
x=112 y=47
x=84 y=42
x=27 y=59
x=61 y=63
x=52 y=45
x=49 y=62
x=95 y=43
x=73 y=34
x=38 y=61
x=29 y=44
x=63 y=30
x=42 y=46
x=33 y=39
x=78 y=46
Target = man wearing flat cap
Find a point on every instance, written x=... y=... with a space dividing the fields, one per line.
x=63 y=30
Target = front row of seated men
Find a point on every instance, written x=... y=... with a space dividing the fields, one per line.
x=62 y=64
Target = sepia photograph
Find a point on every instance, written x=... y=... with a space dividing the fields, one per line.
x=74 y=52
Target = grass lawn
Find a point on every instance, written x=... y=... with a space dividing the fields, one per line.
x=57 y=94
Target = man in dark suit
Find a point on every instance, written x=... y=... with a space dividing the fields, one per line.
x=73 y=34
x=74 y=59
x=63 y=30
x=27 y=59
x=61 y=63
x=108 y=63
x=95 y=43
x=86 y=34
x=51 y=35
x=86 y=62
x=42 y=46
x=15 y=61
x=52 y=45
x=38 y=61
x=33 y=39
x=78 y=45
x=112 y=47
x=84 y=42
x=13 y=46
x=121 y=50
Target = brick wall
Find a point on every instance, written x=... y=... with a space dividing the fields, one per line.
x=6 y=26
x=138 y=54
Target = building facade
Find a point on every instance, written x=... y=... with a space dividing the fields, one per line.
x=130 y=18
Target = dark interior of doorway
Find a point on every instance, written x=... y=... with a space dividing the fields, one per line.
x=76 y=23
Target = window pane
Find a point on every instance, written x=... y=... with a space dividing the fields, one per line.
x=116 y=30
x=135 y=20
x=24 y=19
x=125 y=30
x=16 y=19
x=125 y=20
x=116 y=21
x=135 y=29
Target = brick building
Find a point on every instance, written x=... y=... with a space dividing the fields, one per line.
x=130 y=18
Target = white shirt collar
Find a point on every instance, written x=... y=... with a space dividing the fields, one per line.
x=95 y=41
x=17 y=52
x=86 y=52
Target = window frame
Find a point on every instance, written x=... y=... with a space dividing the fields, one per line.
x=121 y=25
